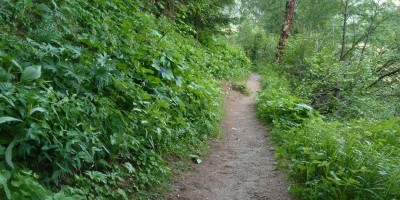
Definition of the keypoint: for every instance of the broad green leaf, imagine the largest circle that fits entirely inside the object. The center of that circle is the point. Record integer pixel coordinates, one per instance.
(137, 110)
(126, 26)
(41, 9)
(352, 181)
(155, 65)
(8, 154)
(17, 64)
(8, 100)
(122, 193)
(9, 119)
(9, 149)
(4, 176)
(179, 81)
(31, 73)
(305, 106)
(168, 74)
(334, 176)
(6, 86)
(38, 109)
(129, 167)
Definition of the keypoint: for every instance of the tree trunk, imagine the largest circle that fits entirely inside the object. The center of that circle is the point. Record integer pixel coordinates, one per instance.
(344, 29)
(197, 26)
(369, 32)
(287, 26)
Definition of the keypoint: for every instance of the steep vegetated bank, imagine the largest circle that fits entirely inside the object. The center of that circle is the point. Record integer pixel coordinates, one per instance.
(94, 95)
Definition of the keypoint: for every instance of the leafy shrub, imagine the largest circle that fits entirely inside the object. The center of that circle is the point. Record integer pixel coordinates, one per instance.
(354, 160)
(276, 105)
(256, 43)
(227, 62)
(284, 110)
(338, 89)
(94, 96)
(357, 159)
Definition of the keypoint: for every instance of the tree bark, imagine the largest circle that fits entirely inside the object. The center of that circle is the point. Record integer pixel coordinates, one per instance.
(197, 27)
(344, 29)
(287, 26)
(369, 32)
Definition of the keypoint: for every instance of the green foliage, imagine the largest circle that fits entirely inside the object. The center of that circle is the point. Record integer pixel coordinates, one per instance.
(94, 96)
(363, 82)
(354, 74)
(284, 110)
(240, 87)
(342, 60)
(336, 89)
(353, 160)
(315, 15)
(357, 159)
(21, 185)
(202, 19)
(277, 106)
(266, 14)
(256, 43)
(224, 62)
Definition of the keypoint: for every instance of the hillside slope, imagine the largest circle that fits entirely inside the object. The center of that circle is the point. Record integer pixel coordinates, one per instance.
(94, 95)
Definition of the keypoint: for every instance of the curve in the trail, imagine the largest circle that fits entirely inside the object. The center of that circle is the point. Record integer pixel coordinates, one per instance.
(241, 165)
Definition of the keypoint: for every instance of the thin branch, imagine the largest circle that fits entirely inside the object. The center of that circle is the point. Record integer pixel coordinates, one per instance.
(345, 4)
(384, 76)
(361, 38)
(369, 32)
(388, 63)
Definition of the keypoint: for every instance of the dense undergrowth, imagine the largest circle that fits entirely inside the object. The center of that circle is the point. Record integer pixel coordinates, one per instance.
(95, 95)
(328, 158)
(333, 103)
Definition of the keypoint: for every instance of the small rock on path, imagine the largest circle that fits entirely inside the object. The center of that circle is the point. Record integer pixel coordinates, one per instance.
(241, 165)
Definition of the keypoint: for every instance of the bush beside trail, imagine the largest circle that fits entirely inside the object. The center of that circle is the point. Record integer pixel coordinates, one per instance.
(94, 97)
(357, 159)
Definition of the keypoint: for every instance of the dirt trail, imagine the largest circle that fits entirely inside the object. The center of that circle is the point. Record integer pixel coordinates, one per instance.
(241, 165)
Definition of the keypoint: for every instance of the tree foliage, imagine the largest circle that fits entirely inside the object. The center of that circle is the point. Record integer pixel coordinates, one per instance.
(337, 46)
(202, 18)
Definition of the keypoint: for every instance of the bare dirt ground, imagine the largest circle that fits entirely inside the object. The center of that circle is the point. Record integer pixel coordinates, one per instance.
(241, 165)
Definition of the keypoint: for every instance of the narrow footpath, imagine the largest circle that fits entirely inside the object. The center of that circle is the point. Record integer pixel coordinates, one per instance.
(241, 165)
